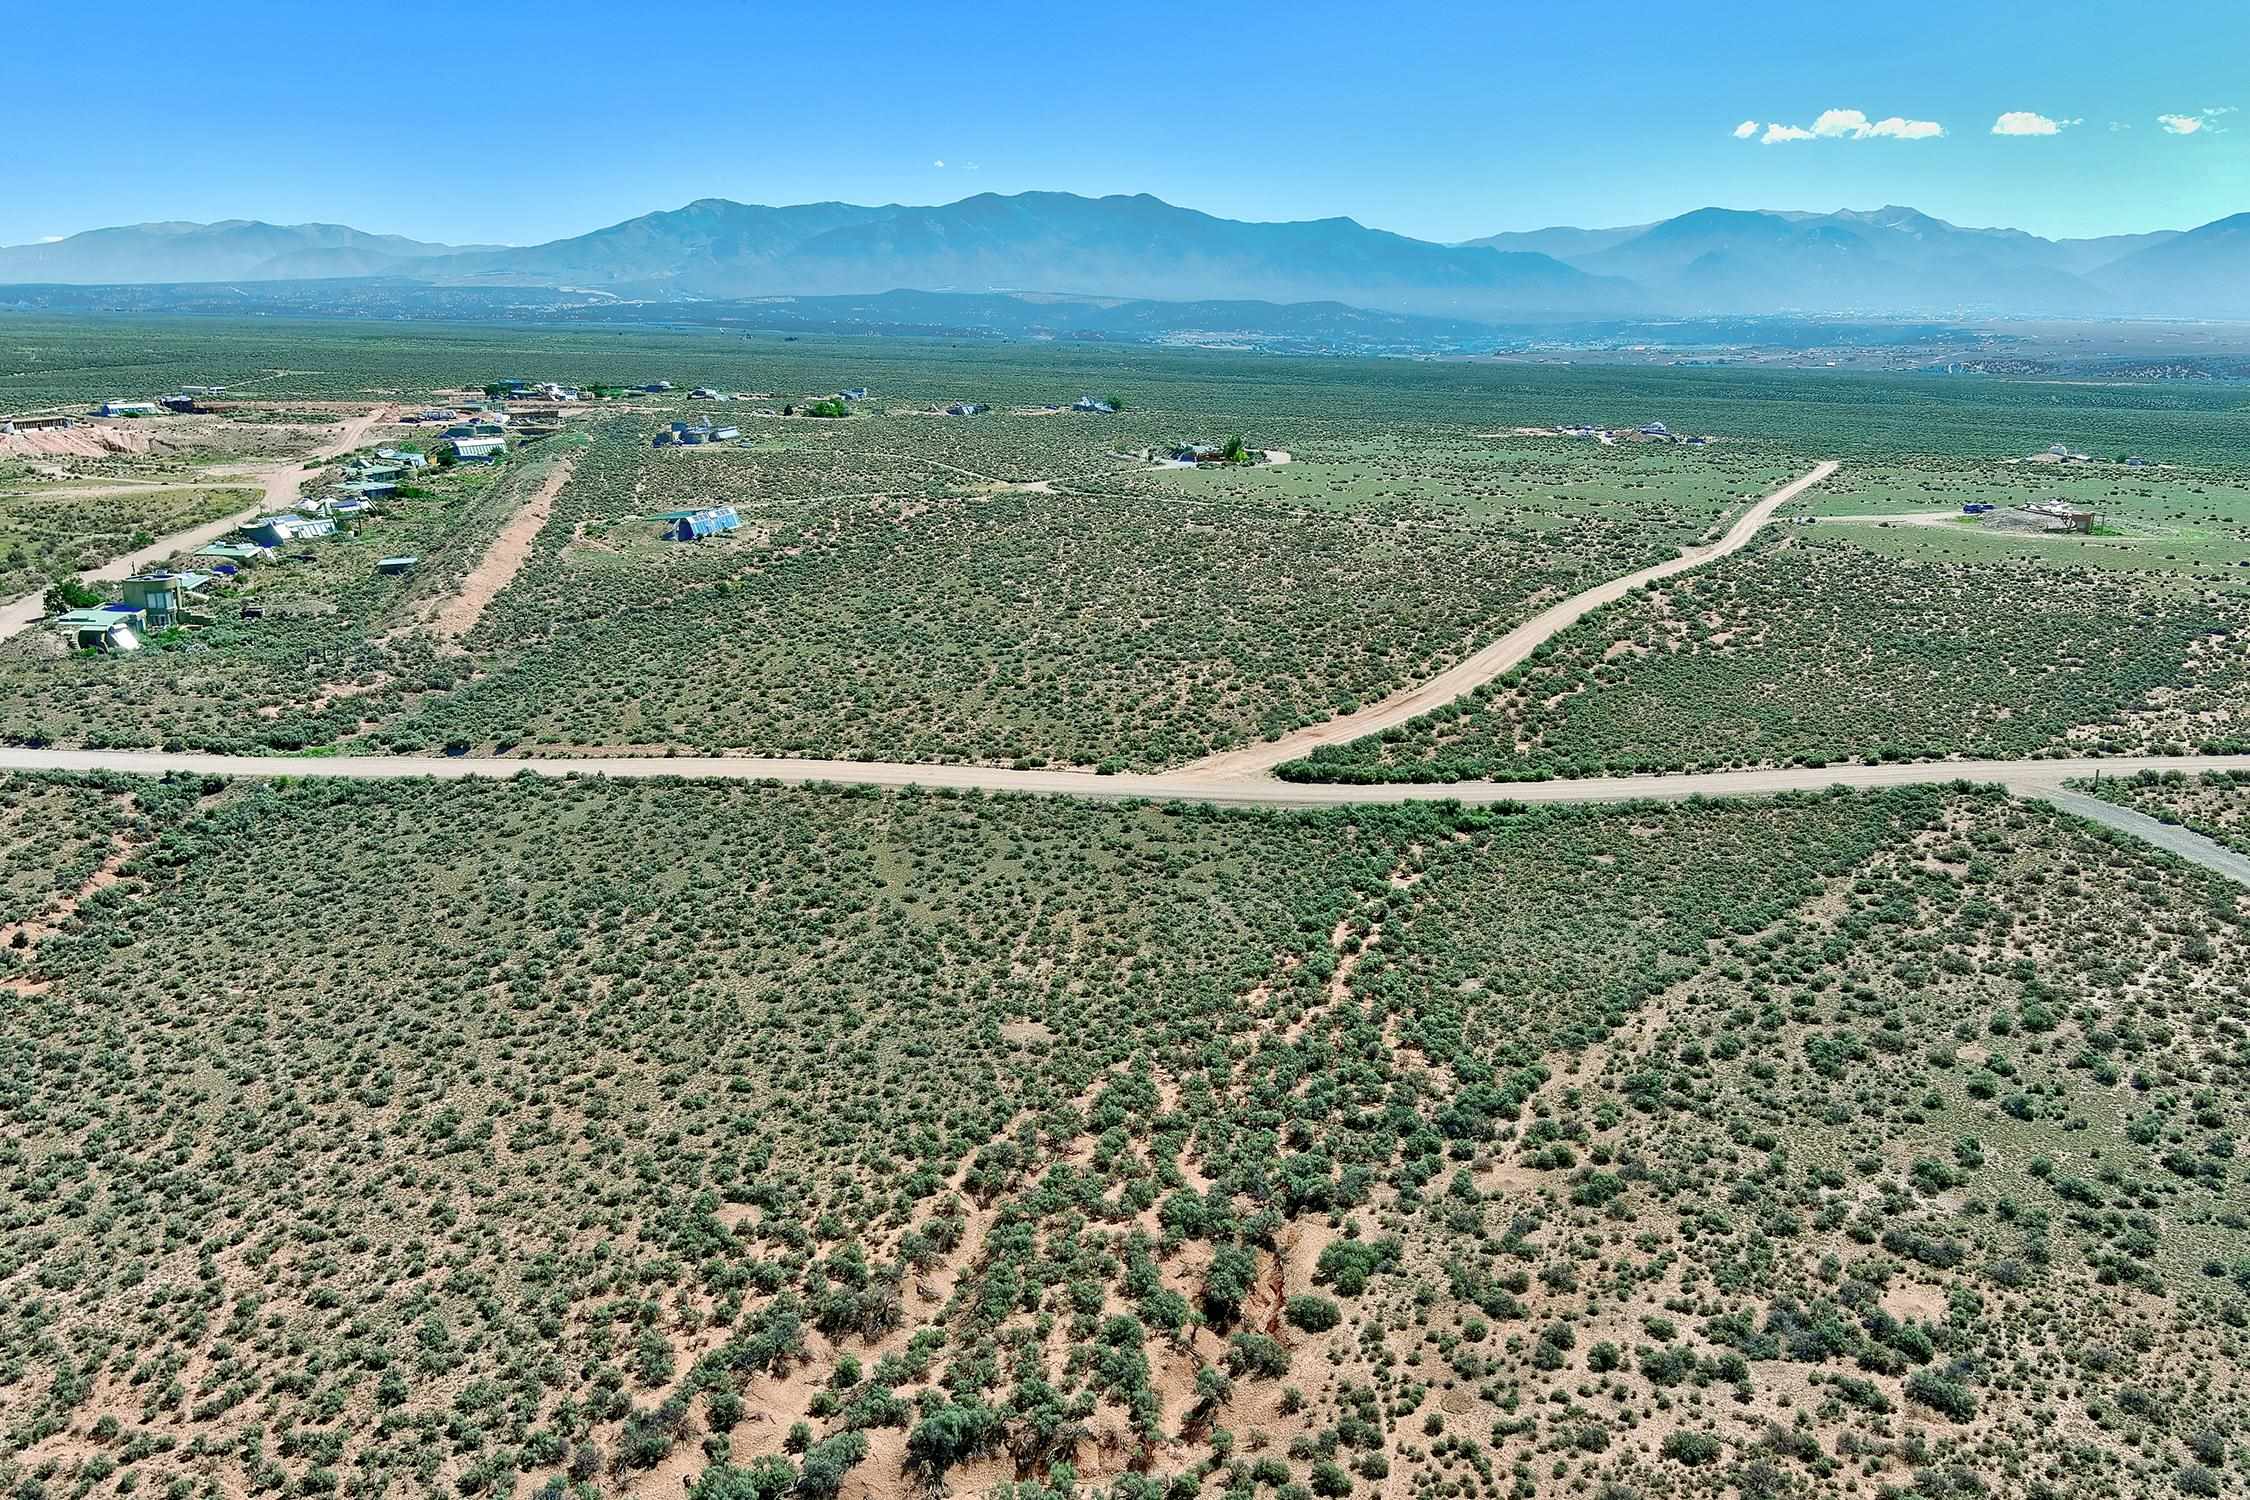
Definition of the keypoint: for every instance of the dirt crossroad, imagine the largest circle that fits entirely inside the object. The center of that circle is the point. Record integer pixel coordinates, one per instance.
(1242, 779)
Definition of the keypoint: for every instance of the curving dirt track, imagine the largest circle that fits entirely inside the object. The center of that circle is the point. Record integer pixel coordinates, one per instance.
(1473, 671)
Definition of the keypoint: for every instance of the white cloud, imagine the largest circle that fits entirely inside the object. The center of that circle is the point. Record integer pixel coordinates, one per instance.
(2030, 122)
(50, 239)
(938, 163)
(1847, 125)
(2196, 123)
(1745, 130)
(1897, 129)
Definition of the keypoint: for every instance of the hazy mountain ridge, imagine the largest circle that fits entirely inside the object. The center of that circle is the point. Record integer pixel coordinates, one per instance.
(229, 250)
(1891, 261)
(1134, 247)
(2202, 273)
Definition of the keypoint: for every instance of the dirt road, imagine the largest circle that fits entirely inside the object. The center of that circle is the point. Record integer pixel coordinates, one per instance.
(1473, 671)
(278, 483)
(458, 615)
(2029, 777)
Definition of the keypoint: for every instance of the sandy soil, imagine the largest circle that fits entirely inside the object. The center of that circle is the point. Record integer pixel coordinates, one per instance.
(87, 440)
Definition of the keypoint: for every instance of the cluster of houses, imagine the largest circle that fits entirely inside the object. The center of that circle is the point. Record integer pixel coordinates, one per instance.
(1093, 404)
(188, 398)
(691, 434)
(476, 436)
(542, 390)
(162, 599)
(967, 409)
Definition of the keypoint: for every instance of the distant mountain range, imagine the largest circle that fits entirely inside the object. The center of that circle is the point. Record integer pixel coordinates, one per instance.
(230, 250)
(1900, 261)
(1711, 262)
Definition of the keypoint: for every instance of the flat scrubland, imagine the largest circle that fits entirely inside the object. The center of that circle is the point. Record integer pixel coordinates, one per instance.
(1198, 394)
(1862, 639)
(1020, 588)
(589, 1139)
(899, 606)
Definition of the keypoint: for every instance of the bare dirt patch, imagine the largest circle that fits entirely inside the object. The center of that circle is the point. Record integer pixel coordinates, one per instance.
(509, 551)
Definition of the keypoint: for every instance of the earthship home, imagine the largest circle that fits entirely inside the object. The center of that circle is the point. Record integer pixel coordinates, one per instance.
(105, 627)
(279, 531)
(164, 598)
(478, 450)
(695, 525)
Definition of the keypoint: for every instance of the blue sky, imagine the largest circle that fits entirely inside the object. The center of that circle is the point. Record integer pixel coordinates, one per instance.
(519, 123)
